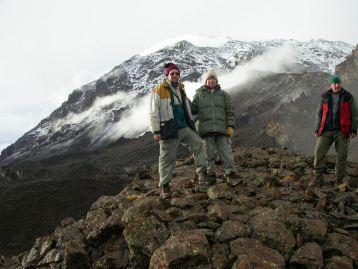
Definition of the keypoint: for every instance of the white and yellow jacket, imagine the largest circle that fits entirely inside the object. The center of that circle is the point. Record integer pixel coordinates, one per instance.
(160, 106)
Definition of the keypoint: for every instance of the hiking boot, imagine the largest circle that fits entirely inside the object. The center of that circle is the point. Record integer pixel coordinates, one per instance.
(232, 179)
(165, 192)
(342, 185)
(316, 181)
(207, 178)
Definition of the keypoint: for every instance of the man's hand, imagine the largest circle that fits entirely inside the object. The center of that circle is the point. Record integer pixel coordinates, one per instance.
(157, 137)
(230, 132)
(353, 135)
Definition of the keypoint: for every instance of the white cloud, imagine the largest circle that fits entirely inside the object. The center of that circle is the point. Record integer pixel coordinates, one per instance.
(134, 122)
(276, 60)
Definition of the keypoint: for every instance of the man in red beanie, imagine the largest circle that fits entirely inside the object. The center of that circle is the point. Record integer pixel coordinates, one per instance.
(171, 123)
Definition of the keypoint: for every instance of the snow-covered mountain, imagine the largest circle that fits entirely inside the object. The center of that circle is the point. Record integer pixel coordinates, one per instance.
(115, 105)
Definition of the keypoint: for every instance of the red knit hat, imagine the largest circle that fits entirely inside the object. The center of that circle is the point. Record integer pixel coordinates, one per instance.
(169, 67)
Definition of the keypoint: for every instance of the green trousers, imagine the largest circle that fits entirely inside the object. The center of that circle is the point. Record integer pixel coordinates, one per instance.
(323, 144)
(222, 144)
(168, 152)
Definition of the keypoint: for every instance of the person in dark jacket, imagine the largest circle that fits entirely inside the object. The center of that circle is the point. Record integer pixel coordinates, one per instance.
(336, 122)
(171, 123)
(215, 123)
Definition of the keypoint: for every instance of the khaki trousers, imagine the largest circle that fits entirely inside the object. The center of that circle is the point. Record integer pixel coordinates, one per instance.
(168, 152)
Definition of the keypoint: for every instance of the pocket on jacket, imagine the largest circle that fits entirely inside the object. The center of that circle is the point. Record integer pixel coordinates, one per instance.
(169, 129)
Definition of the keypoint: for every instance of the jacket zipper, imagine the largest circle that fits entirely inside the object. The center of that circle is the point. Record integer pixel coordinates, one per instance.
(212, 104)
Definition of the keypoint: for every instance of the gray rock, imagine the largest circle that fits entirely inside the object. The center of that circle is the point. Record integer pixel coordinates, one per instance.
(68, 233)
(341, 244)
(338, 262)
(186, 250)
(308, 256)
(251, 253)
(220, 256)
(314, 230)
(41, 247)
(75, 256)
(116, 259)
(52, 257)
(275, 234)
(231, 230)
(143, 237)
(222, 211)
(142, 208)
(221, 191)
(183, 203)
(110, 203)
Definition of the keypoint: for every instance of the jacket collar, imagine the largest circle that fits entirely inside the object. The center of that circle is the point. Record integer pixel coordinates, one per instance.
(165, 84)
(340, 92)
(217, 88)
(329, 92)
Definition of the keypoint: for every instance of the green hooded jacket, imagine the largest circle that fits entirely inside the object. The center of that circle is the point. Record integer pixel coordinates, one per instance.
(214, 110)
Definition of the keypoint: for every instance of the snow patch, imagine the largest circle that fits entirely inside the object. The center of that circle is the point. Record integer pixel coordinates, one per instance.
(197, 40)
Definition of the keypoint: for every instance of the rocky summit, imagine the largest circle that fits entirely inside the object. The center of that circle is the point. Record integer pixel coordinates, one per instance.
(266, 219)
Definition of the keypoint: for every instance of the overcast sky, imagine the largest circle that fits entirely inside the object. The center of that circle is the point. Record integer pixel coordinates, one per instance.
(49, 47)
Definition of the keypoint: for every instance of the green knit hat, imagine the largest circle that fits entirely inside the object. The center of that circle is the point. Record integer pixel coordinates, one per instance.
(334, 79)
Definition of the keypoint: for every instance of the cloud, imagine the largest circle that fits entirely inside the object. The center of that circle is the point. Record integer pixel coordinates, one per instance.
(275, 60)
(101, 117)
(133, 123)
(98, 112)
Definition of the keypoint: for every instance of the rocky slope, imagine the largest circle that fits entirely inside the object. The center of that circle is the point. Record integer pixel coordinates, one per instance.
(93, 115)
(349, 69)
(262, 222)
(36, 195)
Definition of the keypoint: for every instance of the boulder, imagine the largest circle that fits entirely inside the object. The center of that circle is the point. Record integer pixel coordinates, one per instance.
(274, 234)
(251, 253)
(221, 191)
(184, 250)
(342, 245)
(230, 230)
(308, 256)
(143, 237)
(338, 262)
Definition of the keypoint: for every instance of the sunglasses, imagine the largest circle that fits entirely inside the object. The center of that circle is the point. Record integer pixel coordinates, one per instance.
(174, 73)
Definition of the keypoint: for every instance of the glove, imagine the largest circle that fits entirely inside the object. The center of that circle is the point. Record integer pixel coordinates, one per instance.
(230, 132)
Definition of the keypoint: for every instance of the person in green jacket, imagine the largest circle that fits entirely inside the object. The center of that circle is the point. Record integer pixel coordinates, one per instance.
(215, 123)
(336, 122)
